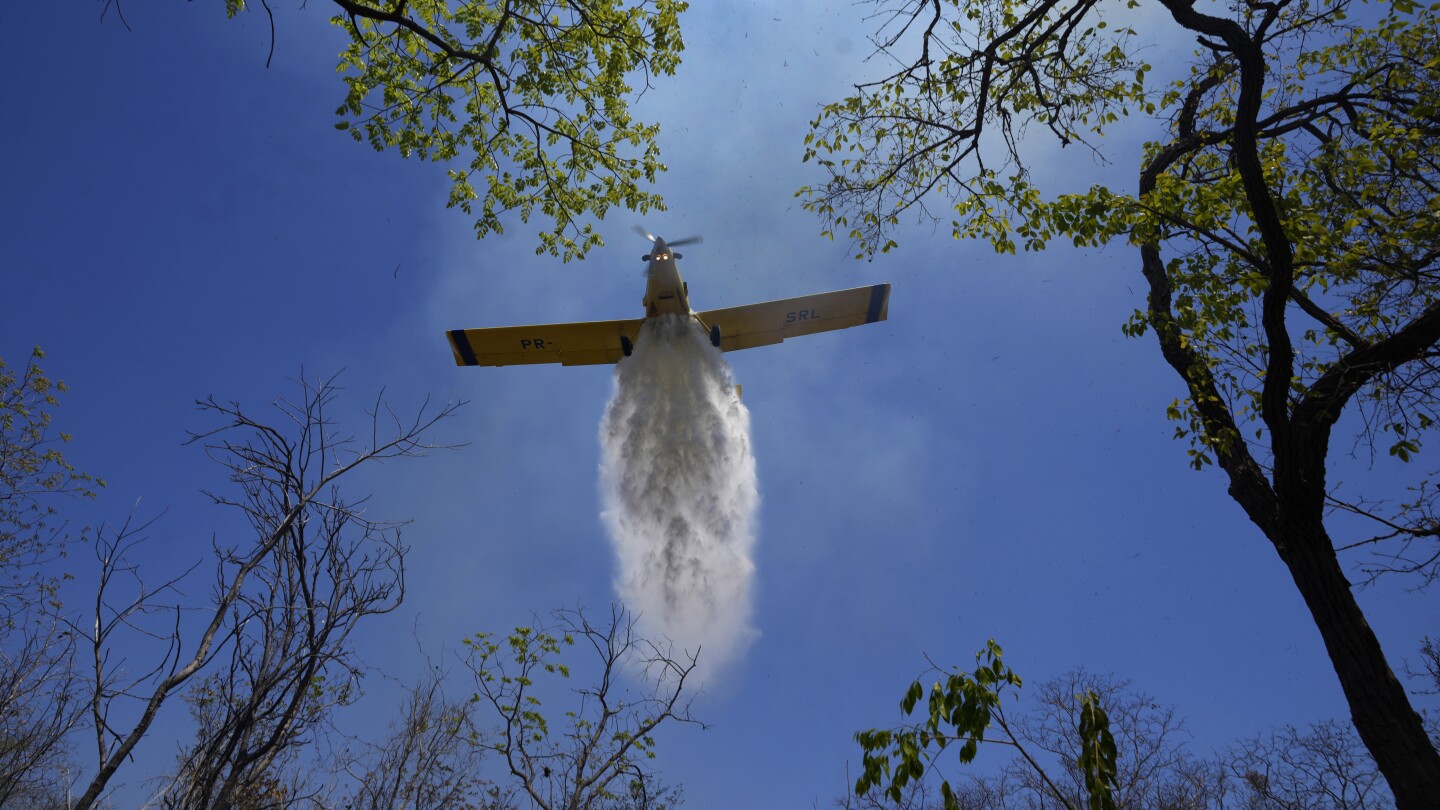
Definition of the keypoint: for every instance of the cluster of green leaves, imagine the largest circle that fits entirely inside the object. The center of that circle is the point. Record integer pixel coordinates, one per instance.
(918, 133)
(534, 93)
(528, 649)
(526, 101)
(1348, 148)
(1348, 142)
(33, 470)
(1097, 753)
(961, 710)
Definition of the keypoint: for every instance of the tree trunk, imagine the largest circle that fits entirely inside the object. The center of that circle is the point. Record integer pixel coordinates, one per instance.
(1379, 707)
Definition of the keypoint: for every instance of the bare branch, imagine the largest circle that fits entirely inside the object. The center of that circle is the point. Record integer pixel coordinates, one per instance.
(609, 735)
(284, 602)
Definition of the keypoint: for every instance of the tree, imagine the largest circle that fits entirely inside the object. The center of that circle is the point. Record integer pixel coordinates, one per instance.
(430, 757)
(1153, 764)
(39, 703)
(601, 757)
(967, 710)
(532, 95)
(39, 707)
(286, 635)
(1287, 233)
(917, 795)
(1323, 768)
(283, 604)
(33, 475)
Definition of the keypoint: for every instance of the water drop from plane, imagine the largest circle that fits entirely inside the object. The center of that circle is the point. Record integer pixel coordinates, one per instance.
(679, 492)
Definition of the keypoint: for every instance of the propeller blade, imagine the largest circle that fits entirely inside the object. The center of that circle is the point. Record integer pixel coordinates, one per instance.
(689, 240)
(643, 232)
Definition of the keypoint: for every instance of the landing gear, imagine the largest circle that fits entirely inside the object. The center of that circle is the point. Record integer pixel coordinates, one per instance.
(715, 336)
(626, 346)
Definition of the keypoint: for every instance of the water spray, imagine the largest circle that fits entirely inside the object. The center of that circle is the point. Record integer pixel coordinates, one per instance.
(679, 492)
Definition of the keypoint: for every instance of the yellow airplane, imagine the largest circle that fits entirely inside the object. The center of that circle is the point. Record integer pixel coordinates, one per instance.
(744, 327)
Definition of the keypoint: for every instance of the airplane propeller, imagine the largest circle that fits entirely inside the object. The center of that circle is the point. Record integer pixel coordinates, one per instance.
(689, 240)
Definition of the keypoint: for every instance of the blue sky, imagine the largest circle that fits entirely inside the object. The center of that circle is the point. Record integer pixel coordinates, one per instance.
(992, 461)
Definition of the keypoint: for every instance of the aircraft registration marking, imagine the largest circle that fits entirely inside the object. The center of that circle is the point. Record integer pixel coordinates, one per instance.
(801, 315)
(532, 343)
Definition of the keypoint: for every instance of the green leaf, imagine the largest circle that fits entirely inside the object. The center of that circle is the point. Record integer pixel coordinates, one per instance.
(533, 97)
(1097, 753)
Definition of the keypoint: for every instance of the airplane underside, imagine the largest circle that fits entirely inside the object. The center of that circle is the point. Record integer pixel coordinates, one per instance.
(730, 329)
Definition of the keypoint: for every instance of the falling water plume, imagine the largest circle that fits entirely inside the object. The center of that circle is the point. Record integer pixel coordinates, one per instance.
(679, 492)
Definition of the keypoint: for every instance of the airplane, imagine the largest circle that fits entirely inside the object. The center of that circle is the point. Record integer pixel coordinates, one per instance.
(731, 329)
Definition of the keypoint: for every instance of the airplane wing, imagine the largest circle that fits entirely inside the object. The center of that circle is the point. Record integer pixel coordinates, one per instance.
(773, 321)
(571, 344)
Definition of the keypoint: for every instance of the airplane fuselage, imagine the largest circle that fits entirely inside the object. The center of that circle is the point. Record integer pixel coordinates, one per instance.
(665, 292)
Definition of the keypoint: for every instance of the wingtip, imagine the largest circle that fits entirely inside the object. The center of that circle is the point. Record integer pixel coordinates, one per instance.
(879, 308)
(460, 345)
